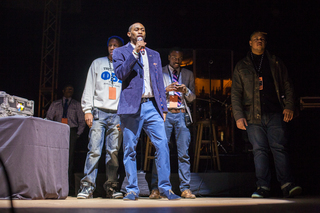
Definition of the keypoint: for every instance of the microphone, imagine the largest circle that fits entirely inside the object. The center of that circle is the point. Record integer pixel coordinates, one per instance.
(142, 48)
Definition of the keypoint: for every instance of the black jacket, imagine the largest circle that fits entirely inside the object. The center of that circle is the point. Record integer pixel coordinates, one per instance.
(245, 95)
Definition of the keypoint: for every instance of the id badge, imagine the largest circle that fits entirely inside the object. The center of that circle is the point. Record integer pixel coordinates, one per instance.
(173, 101)
(64, 120)
(260, 83)
(112, 93)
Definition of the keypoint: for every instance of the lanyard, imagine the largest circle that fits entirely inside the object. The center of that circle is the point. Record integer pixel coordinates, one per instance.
(259, 68)
(112, 72)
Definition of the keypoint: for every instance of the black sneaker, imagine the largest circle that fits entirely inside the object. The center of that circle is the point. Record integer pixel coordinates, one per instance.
(111, 191)
(291, 190)
(86, 191)
(262, 192)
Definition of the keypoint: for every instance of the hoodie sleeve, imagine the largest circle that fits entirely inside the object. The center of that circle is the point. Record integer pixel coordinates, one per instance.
(88, 92)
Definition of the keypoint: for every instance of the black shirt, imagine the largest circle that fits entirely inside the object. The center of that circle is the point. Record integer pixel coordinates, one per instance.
(268, 96)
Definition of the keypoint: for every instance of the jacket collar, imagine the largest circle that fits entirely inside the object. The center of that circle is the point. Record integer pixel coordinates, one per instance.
(129, 47)
(248, 57)
(272, 60)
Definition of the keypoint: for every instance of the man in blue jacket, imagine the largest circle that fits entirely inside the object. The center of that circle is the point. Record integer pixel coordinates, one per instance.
(142, 105)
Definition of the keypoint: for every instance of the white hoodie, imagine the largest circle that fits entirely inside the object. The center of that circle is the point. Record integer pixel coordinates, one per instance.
(96, 91)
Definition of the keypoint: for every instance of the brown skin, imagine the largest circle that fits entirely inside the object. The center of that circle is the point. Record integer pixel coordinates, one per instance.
(258, 45)
(175, 59)
(113, 44)
(68, 92)
(137, 30)
(242, 123)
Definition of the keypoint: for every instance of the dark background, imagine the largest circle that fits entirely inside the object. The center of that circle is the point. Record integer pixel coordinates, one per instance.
(293, 35)
(292, 27)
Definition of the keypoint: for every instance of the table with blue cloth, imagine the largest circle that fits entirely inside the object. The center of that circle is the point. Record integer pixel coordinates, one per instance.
(35, 154)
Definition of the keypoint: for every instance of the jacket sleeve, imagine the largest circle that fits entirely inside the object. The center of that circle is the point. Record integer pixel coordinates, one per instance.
(123, 66)
(190, 95)
(88, 92)
(166, 81)
(51, 112)
(161, 85)
(236, 95)
(81, 121)
(287, 92)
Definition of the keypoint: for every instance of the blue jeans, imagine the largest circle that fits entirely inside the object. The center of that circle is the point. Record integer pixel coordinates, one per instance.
(149, 119)
(270, 135)
(183, 138)
(103, 130)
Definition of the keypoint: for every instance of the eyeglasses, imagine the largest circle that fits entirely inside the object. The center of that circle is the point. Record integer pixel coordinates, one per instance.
(175, 58)
(259, 39)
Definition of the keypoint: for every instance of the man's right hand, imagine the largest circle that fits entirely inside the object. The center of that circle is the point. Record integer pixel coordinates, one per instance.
(88, 118)
(242, 123)
(164, 116)
(172, 87)
(139, 46)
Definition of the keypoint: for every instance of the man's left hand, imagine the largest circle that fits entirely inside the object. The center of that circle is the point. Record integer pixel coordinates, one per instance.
(118, 127)
(288, 115)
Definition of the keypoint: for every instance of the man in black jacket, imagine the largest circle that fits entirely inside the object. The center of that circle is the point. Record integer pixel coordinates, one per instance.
(263, 102)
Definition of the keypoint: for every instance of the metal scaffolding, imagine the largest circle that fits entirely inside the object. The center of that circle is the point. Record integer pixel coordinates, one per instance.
(49, 55)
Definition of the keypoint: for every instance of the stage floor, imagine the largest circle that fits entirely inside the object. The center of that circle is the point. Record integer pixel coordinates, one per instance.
(207, 204)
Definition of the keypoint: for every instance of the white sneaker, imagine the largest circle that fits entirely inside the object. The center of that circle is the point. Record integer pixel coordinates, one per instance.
(117, 195)
(86, 192)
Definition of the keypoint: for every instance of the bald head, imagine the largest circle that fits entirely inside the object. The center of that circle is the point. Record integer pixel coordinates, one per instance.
(130, 28)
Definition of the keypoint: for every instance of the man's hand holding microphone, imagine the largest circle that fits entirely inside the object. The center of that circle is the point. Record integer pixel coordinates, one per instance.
(140, 45)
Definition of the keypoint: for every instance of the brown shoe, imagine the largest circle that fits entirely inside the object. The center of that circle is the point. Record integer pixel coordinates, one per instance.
(155, 194)
(188, 194)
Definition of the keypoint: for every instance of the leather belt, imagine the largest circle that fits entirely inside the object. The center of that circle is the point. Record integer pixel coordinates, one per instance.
(108, 110)
(144, 100)
(177, 110)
